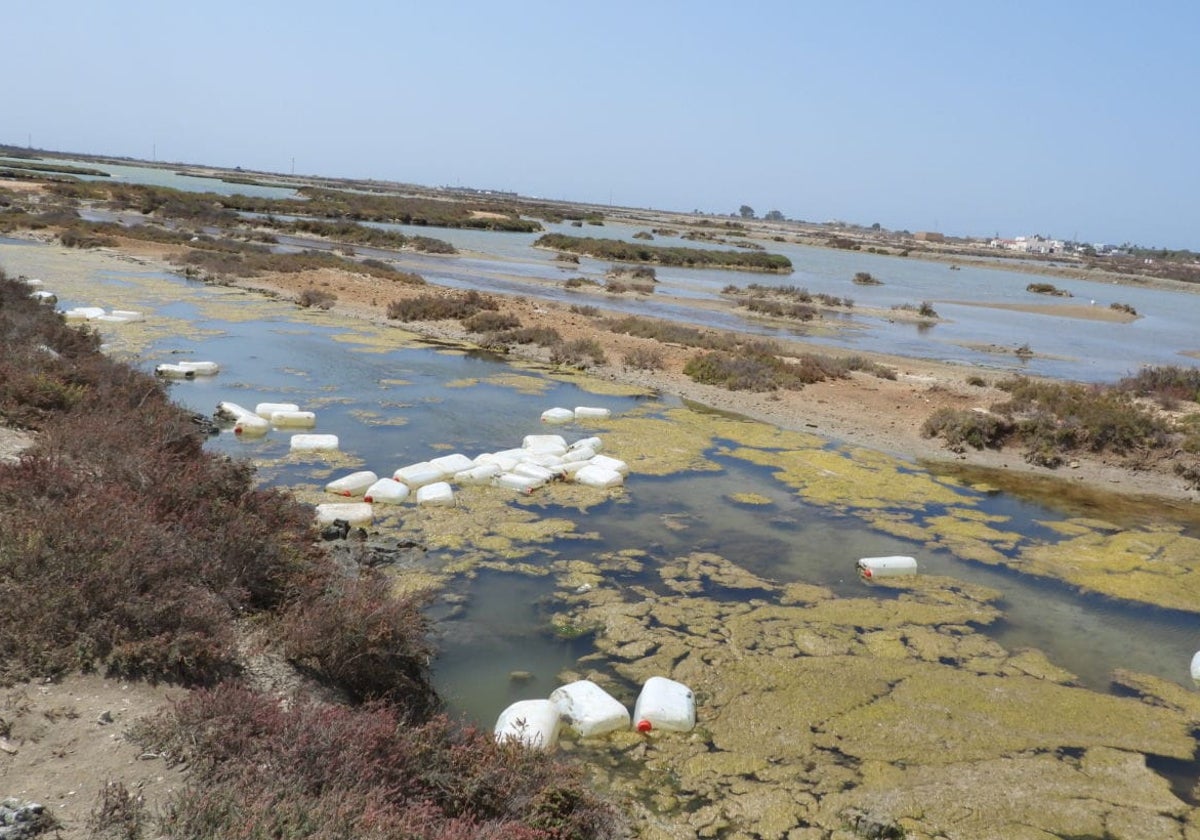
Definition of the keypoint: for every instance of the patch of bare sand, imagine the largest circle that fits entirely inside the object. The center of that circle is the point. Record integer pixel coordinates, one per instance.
(1089, 312)
(62, 742)
(16, 185)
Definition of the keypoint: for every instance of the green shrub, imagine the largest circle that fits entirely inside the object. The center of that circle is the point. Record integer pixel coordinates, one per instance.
(320, 298)
(959, 428)
(1168, 384)
(864, 278)
(1047, 289)
(758, 367)
(585, 309)
(435, 307)
(580, 353)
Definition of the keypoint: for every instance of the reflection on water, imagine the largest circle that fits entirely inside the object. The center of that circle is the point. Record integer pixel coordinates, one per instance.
(393, 401)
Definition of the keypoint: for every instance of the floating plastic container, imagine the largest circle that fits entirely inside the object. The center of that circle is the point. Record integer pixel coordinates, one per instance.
(355, 484)
(543, 459)
(418, 474)
(479, 474)
(356, 513)
(174, 371)
(584, 453)
(592, 443)
(201, 368)
(664, 704)
(1196, 667)
(505, 460)
(387, 491)
(515, 481)
(451, 464)
(537, 471)
(544, 443)
(83, 313)
(589, 709)
(438, 494)
(186, 370)
(293, 419)
(530, 723)
(615, 464)
(583, 412)
(266, 409)
(570, 469)
(232, 411)
(873, 567)
(314, 443)
(595, 475)
(558, 415)
(251, 425)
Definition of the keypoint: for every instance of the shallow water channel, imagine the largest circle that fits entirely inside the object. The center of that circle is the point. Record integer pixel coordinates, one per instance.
(700, 481)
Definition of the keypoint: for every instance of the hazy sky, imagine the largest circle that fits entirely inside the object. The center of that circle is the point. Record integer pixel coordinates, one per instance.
(1068, 119)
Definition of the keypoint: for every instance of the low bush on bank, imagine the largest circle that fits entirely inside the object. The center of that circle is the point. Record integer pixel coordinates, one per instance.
(671, 333)
(320, 298)
(490, 321)
(643, 358)
(433, 307)
(1052, 421)
(960, 428)
(579, 353)
(259, 769)
(1168, 385)
(758, 367)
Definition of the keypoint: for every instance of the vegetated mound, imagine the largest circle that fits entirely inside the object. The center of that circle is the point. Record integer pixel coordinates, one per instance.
(128, 549)
(1052, 422)
(615, 249)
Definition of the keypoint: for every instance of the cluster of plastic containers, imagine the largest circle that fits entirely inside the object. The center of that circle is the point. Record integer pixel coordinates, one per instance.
(539, 460)
(589, 711)
(98, 313)
(567, 415)
(268, 415)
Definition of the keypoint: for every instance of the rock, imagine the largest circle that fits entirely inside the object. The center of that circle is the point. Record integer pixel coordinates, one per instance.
(20, 820)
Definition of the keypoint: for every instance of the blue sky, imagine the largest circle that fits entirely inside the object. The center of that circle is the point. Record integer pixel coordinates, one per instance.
(1068, 119)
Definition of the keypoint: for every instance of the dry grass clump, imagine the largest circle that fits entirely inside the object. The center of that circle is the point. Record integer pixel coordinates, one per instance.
(643, 358)
(670, 333)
